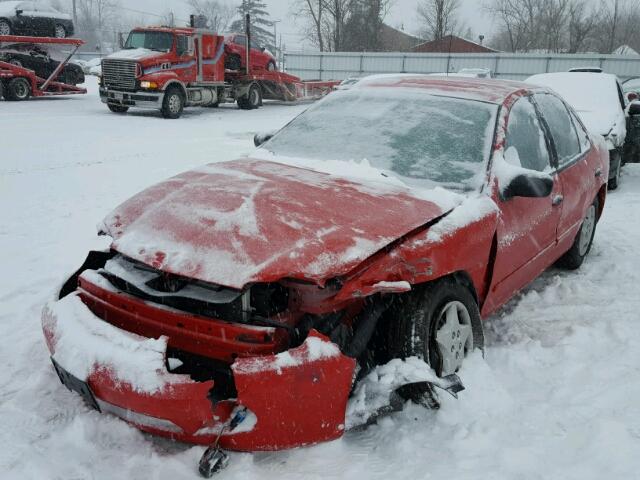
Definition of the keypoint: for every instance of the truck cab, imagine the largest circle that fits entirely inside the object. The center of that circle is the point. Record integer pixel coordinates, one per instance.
(164, 68)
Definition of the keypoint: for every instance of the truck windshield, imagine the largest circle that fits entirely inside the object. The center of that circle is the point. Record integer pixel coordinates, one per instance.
(161, 41)
(424, 140)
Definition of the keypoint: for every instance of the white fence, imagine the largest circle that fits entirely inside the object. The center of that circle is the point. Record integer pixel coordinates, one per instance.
(338, 66)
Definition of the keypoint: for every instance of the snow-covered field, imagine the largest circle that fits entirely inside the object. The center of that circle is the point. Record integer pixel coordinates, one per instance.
(556, 396)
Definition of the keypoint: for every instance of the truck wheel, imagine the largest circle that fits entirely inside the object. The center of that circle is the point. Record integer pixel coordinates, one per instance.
(252, 100)
(173, 103)
(438, 322)
(117, 108)
(18, 89)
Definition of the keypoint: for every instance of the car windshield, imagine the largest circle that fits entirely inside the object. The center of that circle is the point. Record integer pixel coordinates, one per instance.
(161, 41)
(424, 140)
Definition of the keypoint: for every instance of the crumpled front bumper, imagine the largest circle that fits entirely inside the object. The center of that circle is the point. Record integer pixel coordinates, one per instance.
(294, 398)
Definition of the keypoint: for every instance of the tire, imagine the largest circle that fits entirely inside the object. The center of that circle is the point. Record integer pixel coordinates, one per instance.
(60, 31)
(18, 89)
(252, 100)
(5, 27)
(117, 108)
(173, 103)
(15, 61)
(418, 324)
(581, 246)
(1, 89)
(271, 66)
(615, 166)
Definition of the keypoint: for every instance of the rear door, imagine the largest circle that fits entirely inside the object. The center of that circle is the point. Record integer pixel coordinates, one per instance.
(578, 164)
(527, 226)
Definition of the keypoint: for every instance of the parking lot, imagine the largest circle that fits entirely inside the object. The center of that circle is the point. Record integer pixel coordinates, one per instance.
(554, 397)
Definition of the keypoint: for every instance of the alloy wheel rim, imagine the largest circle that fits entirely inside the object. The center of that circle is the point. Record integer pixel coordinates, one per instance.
(4, 28)
(60, 32)
(174, 103)
(586, 232)
(454, 336)
(21, 90)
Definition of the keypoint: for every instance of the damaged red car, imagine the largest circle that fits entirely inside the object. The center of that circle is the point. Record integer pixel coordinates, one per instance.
(379, 226)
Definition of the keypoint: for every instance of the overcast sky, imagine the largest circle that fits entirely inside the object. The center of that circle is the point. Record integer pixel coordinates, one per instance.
(402, 13)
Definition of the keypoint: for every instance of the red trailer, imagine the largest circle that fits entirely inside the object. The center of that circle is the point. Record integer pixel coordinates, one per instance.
(169, 68)
(19, 83)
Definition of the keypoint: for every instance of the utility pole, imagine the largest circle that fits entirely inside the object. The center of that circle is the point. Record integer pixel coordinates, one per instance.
(275, 35)
(75, 15)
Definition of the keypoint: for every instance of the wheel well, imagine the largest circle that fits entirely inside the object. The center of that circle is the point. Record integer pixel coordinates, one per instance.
(177, 85)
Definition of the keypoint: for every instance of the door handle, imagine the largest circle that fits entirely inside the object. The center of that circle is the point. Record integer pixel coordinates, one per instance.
(598, 172)
(557, 200)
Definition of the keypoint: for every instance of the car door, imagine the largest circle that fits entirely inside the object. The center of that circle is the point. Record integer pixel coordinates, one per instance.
(526, 231)
(578, 164)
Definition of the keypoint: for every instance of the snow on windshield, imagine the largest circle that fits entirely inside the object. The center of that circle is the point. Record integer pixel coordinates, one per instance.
(423, 139)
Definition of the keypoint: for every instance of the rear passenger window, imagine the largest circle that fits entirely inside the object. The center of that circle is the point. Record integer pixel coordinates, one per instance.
(563, 132)
(526, 145)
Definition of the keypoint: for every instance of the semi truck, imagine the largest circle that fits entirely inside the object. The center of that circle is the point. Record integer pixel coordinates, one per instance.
(170, 68)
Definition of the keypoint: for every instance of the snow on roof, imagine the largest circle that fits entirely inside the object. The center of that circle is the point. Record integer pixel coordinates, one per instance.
(481, 89)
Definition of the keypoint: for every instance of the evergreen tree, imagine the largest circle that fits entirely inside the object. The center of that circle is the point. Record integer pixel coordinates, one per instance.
(261, 25)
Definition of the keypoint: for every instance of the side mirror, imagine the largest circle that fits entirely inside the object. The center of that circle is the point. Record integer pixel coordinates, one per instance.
(530, 186)
(263, 48)
(19, 12)
(263, 137)
(632, 96)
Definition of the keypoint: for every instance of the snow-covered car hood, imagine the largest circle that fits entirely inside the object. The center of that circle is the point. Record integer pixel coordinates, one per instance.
(135, 54)
(246, 221)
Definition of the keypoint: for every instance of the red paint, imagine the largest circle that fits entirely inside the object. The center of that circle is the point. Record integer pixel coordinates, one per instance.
(235, 45)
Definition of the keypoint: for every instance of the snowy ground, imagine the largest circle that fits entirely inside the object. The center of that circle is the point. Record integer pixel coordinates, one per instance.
(555, 397)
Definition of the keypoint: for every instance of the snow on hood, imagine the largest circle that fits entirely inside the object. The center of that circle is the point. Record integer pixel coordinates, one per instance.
(247, 221)
(134, 54)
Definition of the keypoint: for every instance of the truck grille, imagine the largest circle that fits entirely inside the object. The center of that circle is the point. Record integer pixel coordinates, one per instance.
(119, 73)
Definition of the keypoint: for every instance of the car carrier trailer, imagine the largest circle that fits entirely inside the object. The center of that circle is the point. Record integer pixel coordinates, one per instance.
(170, 68)
(19, 83)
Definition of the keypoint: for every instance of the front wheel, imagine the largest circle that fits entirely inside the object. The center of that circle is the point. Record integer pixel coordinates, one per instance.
(18, 89)
(173, 103)
(438, 322)
(117, 108)
(574, 257)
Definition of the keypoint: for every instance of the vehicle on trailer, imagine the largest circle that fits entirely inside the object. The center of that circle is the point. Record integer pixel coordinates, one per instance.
(171, 68)
(19, 82)
(236, 54)
(38, 59)
(598, 99)
(37, 19)
(375, 229)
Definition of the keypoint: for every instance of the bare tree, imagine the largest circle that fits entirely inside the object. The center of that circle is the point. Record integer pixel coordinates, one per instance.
(311, 12)
(582, 21)
(218, 14)
(438, 17)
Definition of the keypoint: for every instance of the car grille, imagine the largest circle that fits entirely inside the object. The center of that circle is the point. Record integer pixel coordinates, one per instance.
(119, 73)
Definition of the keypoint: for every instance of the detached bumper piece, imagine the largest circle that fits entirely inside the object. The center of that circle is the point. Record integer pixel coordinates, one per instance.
(289, 399)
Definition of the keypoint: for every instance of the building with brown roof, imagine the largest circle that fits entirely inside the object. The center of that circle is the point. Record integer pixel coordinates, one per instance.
(452, 44)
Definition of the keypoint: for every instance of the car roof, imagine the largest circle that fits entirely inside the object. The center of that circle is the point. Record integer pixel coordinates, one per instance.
(480, 89)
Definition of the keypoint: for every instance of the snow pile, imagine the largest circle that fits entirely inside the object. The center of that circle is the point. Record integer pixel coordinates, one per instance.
(83, 343)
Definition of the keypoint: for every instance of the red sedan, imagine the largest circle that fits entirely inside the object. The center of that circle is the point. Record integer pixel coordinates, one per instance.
(381, 224)
(236, 54)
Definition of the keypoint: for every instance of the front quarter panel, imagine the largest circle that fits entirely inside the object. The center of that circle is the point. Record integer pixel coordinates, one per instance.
(459, 242)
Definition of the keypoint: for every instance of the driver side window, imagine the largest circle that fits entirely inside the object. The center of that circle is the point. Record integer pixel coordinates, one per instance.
(526, 144)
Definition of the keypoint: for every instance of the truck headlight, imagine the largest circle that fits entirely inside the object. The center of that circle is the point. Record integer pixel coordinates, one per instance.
(148, 85)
